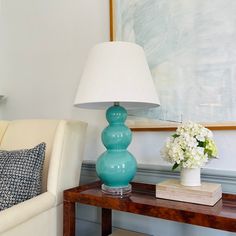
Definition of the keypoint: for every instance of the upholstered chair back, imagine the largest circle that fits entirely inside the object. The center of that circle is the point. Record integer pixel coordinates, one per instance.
(64, 146)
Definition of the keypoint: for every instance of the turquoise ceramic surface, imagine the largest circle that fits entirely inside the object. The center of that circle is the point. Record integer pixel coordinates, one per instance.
(116, 167)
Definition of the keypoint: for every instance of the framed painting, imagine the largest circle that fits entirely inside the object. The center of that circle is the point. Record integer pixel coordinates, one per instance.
(191, 51)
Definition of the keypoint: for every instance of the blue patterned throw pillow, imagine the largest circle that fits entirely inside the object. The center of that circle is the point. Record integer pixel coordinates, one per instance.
(20, 175)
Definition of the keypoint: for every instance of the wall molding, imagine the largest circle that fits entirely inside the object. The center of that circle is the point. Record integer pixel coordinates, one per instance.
(157, 173)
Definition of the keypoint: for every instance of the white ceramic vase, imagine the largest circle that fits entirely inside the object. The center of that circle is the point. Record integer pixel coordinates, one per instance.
(190, 176)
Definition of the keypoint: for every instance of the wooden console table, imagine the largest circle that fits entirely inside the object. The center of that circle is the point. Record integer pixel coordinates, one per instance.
(143, 201)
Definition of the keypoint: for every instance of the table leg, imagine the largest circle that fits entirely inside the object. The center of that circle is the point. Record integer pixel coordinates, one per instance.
(68, 218)
(106, 221)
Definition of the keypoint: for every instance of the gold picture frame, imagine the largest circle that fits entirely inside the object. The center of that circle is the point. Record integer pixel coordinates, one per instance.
(152, 125)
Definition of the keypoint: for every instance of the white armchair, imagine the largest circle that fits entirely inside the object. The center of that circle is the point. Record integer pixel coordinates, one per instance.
(42, 215)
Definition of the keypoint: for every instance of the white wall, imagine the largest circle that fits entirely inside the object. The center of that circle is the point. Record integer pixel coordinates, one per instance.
(2, 57)
(45, 46)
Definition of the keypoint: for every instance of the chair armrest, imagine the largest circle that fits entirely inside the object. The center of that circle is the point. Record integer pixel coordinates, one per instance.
(24, 211)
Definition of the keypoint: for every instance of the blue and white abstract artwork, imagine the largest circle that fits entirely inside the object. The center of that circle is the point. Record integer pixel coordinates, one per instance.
(191, 50)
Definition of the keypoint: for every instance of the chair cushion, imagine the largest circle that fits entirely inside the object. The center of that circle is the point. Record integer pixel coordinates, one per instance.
(20, 175)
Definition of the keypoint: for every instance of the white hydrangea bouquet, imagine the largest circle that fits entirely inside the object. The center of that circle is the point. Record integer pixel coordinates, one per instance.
(191, 146)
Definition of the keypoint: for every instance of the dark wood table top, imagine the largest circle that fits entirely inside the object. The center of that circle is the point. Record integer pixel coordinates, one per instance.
(142, 201)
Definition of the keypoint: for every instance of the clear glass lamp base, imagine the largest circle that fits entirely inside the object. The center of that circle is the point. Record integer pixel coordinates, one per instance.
(119, 191)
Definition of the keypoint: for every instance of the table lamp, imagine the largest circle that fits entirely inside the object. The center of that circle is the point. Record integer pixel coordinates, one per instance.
(116, 76)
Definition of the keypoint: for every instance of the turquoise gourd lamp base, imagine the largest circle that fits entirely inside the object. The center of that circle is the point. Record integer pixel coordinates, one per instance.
(116, 167)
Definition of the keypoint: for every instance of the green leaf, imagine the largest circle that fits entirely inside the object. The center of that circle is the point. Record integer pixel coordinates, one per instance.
(175, 135)
(175, 166)
(201, 144)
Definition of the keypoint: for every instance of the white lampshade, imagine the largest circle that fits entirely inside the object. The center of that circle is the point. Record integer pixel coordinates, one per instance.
(116, 72)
